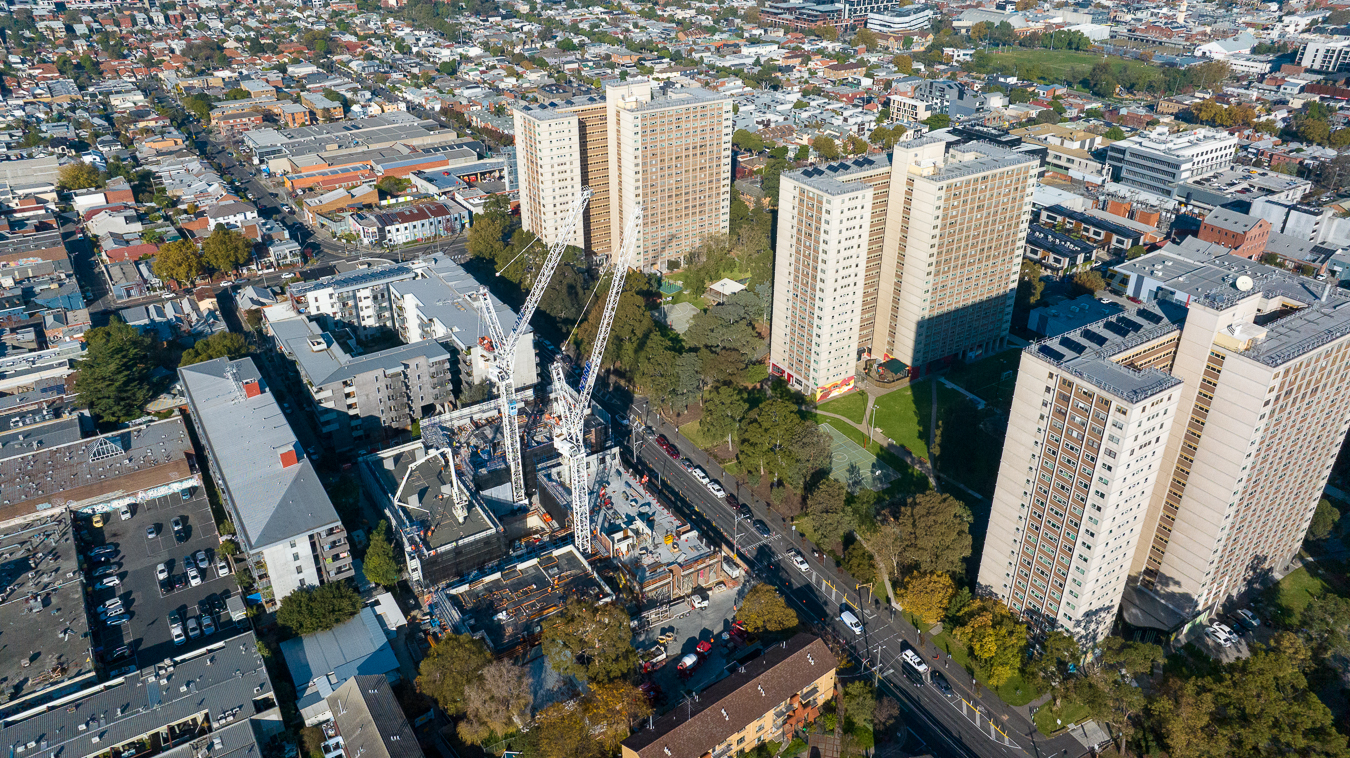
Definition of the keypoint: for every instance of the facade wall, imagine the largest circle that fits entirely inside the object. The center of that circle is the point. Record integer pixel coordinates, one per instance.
(548, 152)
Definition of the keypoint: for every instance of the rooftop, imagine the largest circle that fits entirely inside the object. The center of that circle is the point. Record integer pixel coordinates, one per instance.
(226, 681)
(42, 615)
(357, 646)
(831, 178)
(508, 606)
(93, 470)
(247, 437)
(354, 279)
(429, 484)
(1088, 352)
(323, 361)
(370, 720)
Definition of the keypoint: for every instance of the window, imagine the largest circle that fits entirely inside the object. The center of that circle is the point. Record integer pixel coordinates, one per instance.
(299, 569)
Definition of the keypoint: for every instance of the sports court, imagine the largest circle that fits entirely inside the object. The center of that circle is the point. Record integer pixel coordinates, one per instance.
(850, 463)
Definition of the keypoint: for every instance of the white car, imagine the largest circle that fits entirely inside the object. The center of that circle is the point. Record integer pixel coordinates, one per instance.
(125, 513)
(222, 567)
(799, 561)
(1216, 634)
(108, 581)
(201, 559)
(161, 572)
(194, 578)
(716, 489)
(194, 630)
(177, 631)
(700, 475)
(1225, 629)
(698, 600)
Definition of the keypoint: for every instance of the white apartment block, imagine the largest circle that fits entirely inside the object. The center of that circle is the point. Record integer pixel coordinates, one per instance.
(907, 109)
(1253, 363)
(911, 18)
(671, 155)
(944, 241)
(358, 298)
(1159, 162)
(1086, 432)
(823, 226)
(548, 152)
(1328, 57)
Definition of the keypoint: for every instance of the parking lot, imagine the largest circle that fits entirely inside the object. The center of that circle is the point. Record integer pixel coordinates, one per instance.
(684, 634)
(137, 557)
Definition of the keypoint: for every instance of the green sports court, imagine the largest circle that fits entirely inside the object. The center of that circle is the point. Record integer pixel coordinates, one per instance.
(845, 454)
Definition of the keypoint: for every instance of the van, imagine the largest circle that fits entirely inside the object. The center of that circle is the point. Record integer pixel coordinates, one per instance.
(851, 621)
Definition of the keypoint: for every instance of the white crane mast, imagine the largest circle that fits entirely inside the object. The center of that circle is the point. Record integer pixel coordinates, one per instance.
(575, 404)
(502, 355)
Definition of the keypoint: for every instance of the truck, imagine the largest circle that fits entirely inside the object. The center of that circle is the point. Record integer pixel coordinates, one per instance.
(652, 658)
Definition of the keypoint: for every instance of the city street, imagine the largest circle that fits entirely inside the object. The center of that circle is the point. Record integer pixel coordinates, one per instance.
(948, 726)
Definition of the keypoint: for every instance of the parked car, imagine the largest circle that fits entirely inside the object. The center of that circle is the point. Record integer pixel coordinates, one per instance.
(799, 561)
(119, 654)
(108, 581)
(743, 511)
(119, 620)
(698, 600)
(222, 567)
(112, 568)
(1249, 618)
(177, 525)
(176, 630)
(1218, 636)
(103, 550)
(152, 531)
(125, 513)
(942, 685)
(716, 489)
(194, 629)
(194, 578)
(161, 572)
(201, 559)
(208, 625)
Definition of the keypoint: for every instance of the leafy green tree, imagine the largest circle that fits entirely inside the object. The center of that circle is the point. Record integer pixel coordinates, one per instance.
(826, 511)
(859, 564)
(803, 153)
(1029, 284)
(826, 147)
(238, 93)
(226, 249)
(1323, 521)
(1089, 282)
(113, 378)
(776, 441)
(590, 641)
(79, 175)
(179, 262)
(1050, 668)
(747, 141)
(380, 565)
(723, 409)
(316, 609)
(931, 532)
(938, 121)
(199, 106)
(764, 610)
(230, 345)
(927, 594)
(995, 637)
(451, 666)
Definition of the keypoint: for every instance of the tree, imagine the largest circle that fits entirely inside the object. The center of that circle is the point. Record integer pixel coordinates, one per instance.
(316, 609)
(1135, 252)
(113, 378)
(764, 610)
(380, 565)
(1050, 668)
(238, 93)
(926, 594)
(1089, 282)
(230, 345)
(612, 709)
(866, 37)
(179, 262)
(904, 64)
(747, 141)
(826, 512)
(930, 533)
(485, 237)
(1029, 284)
(858, 563)
(226, 249)
(723, 409)
(858, 701)
(79, 175)
(393, 185)
(590, 641)
(498, 702)
(856, 145)
(826, 147)
(561, 731)
(886, 137)
(995, 638)
(803, 153)
(1323, 521)
(938, 121)
(777, 442)
(451, 666)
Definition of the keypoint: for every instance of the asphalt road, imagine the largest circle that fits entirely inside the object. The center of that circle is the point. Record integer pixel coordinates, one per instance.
(946, 726)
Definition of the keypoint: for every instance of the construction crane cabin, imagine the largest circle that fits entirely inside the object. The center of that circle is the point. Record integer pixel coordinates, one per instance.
(501, 346)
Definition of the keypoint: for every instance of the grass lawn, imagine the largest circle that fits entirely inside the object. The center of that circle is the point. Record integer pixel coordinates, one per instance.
(1296, 590)
(910, 481)
(903, 415)
(1056, 65)
(1016, 691)
(691, 431)
(1050, 720)
(850, 406)
(984, 378)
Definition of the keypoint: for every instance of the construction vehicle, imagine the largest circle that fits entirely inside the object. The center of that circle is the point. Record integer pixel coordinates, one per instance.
(574, 405)
(500, 347)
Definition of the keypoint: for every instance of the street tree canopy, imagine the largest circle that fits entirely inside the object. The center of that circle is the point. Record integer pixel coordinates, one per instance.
(226, 249)
(764, 610)
(179, 262)
(230, 345)
(449, 668)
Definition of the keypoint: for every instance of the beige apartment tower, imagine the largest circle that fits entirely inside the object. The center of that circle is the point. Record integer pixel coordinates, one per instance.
(942, 240)
(666, 150)
(1221, 476)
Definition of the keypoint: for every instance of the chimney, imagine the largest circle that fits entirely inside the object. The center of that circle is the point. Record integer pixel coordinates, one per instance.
(288, 456)
(252, 388)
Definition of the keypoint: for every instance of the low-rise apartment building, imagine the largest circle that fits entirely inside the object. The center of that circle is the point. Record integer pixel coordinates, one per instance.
(416, 223)
(363, 400)
(285, 524)
(766, 699)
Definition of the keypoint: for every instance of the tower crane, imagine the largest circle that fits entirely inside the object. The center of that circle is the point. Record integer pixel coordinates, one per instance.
(573, 405)
(500, 347)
